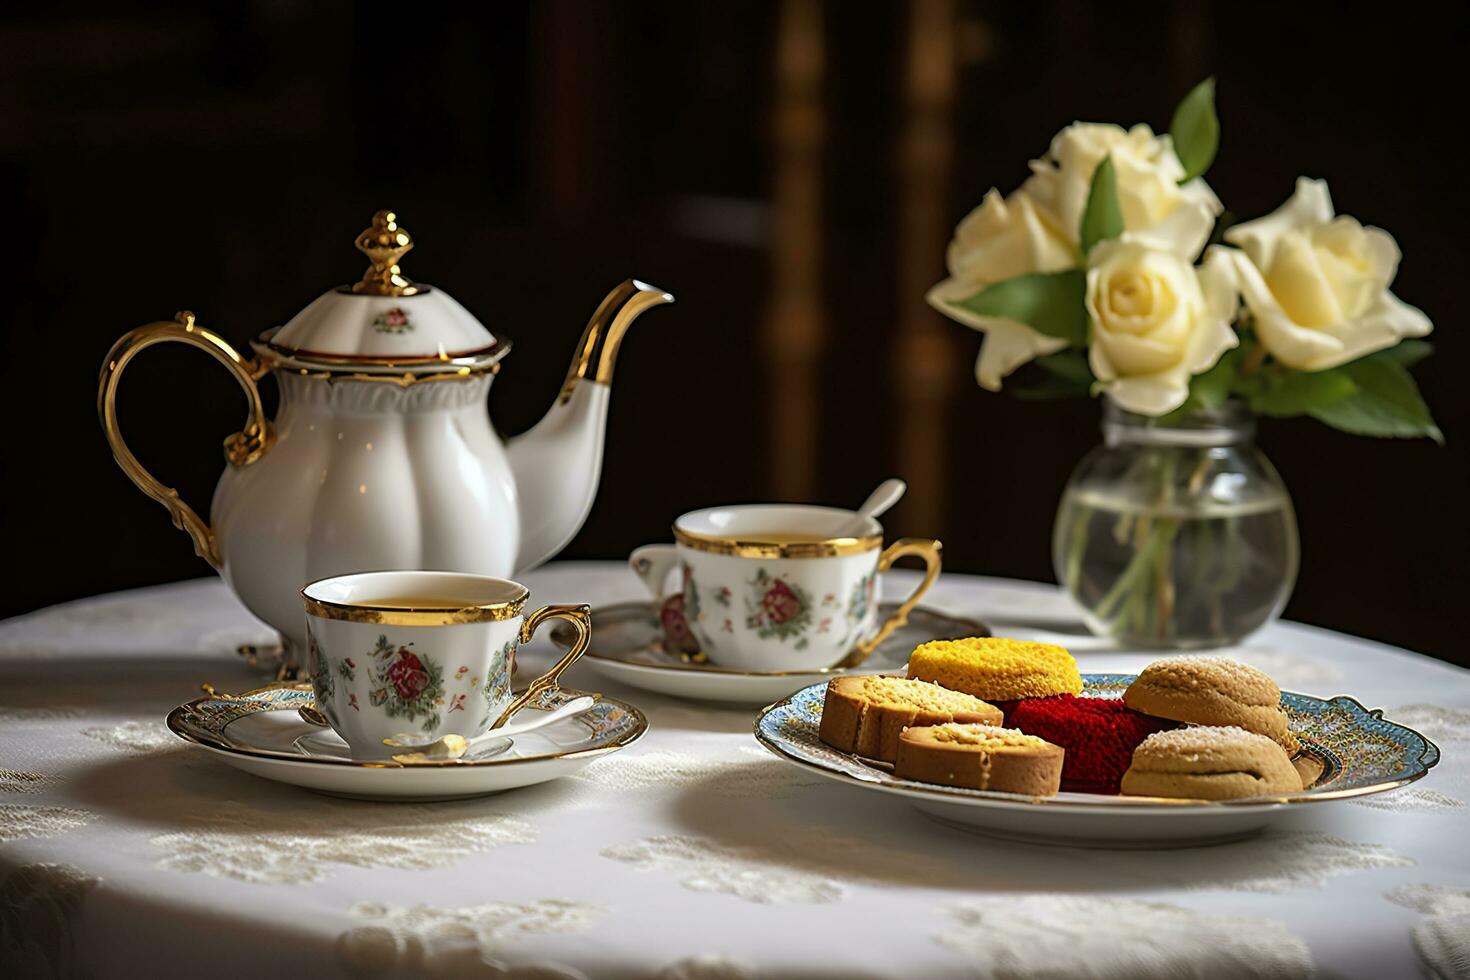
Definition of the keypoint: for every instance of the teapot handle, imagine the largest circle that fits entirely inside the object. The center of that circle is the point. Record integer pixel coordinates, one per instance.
(241, 449)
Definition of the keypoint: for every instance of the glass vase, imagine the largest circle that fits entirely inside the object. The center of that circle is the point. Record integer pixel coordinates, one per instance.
(1177, 535)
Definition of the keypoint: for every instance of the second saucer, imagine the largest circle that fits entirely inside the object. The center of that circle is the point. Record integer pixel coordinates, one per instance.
(629, 646)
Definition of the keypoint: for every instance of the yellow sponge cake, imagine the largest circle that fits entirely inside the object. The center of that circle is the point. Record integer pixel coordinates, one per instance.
(997, 669)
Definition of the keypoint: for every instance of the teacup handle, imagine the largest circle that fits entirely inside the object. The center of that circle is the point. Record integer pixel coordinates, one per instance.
(926, 548)
(652, 564)
(580, 616)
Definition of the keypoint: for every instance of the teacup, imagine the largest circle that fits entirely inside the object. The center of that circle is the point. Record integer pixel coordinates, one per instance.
(423, 653)
(781, 587)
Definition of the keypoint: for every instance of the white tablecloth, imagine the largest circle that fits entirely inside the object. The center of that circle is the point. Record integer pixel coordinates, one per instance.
(124, 852)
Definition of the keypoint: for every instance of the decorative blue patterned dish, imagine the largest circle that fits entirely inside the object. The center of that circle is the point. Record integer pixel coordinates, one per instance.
(1358, 750)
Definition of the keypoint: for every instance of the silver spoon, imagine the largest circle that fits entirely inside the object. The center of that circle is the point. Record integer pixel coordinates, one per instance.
(888, 493)
(447, 747)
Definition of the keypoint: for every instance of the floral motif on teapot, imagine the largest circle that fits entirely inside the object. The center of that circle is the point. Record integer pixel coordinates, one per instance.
(393, 320)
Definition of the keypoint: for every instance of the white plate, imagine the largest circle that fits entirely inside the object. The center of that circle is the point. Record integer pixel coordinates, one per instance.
(627, 646)
(1360, 754)
(261, 733)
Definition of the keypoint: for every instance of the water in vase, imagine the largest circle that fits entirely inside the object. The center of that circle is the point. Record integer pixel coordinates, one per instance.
(1199, 574)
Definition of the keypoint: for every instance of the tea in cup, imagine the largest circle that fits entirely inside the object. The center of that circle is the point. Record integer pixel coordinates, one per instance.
(782, 587)
(423, 654)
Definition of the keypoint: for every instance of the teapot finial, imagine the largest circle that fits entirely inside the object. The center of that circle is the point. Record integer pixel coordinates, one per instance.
(384, 244)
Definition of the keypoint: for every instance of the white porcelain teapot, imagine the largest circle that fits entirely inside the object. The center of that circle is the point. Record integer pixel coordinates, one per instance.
(382, 455)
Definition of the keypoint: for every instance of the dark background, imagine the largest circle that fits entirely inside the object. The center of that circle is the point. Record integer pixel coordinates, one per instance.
(790, 170)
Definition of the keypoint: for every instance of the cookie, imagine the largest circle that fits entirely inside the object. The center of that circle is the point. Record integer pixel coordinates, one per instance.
(864, 715)
(1212, 691)
(1210, 763)
(1098, 734)
(997, 669)
(979, 757)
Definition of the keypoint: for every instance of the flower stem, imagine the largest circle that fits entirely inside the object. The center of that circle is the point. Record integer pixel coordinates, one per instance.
(1252, 361)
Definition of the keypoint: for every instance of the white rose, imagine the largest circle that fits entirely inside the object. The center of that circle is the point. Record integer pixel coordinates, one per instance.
(1317, 285)
(1157, 320)
(1001, 239)
(1149, 193)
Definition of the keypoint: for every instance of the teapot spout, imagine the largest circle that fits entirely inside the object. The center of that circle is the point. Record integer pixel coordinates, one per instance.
(558, 462)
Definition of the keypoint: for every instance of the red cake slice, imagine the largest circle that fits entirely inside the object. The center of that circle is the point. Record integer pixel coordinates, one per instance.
(1098, 734)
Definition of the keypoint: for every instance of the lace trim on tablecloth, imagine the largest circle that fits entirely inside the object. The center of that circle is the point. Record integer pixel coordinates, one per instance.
(810, 866)
(813, 866)
(755, 775)
(307, 844)
(1272, 863)
(746, 872)
(1411, 800)
(426, 941)
(1049, 936)
(138, 737)
(16, 713)
(710, 966)
(21, 781)
(1442, 938)
(1291, 671)
(18, 821)
(1434, 722)
(38, 909)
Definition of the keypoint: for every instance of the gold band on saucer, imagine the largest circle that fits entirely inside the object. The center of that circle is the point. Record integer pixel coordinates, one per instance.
(407, 616)
(773, 547)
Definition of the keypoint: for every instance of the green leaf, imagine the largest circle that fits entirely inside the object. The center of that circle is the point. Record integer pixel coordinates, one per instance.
(1386, 403)
(1406, 352)
(1196, 130)
(1103, 218)
(1070, 365)
(1210, 389)
(1047, 302)
(1299, 392)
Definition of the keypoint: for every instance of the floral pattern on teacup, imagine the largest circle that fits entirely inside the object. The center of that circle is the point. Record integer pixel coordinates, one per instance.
(860, 601)
(777, 607)
(347, 670)
(673, 616)
(405, 684)
(691, 601)
(392, 321)
(497, 681)
(323, 684)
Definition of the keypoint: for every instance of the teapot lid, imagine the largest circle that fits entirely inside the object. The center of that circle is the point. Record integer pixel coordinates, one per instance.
(385, 322)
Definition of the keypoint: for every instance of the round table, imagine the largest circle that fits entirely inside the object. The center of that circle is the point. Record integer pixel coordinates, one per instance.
(694, 853)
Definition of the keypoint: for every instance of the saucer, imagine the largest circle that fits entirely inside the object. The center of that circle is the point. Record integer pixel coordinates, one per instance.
(627, 646)
(262, 733)
(1360, 753)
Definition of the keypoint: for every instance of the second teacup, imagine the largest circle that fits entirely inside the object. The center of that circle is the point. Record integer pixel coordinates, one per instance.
(774, 587)
(426, 653)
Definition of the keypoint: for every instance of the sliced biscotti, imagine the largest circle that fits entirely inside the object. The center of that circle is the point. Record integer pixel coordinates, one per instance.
(979, 757)
(865, 715)
(1212, 691)
(997, 669)
(1210, 763)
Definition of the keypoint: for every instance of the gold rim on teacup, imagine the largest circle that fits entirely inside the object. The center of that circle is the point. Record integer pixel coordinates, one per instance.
(367, 612)
(771, 546)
